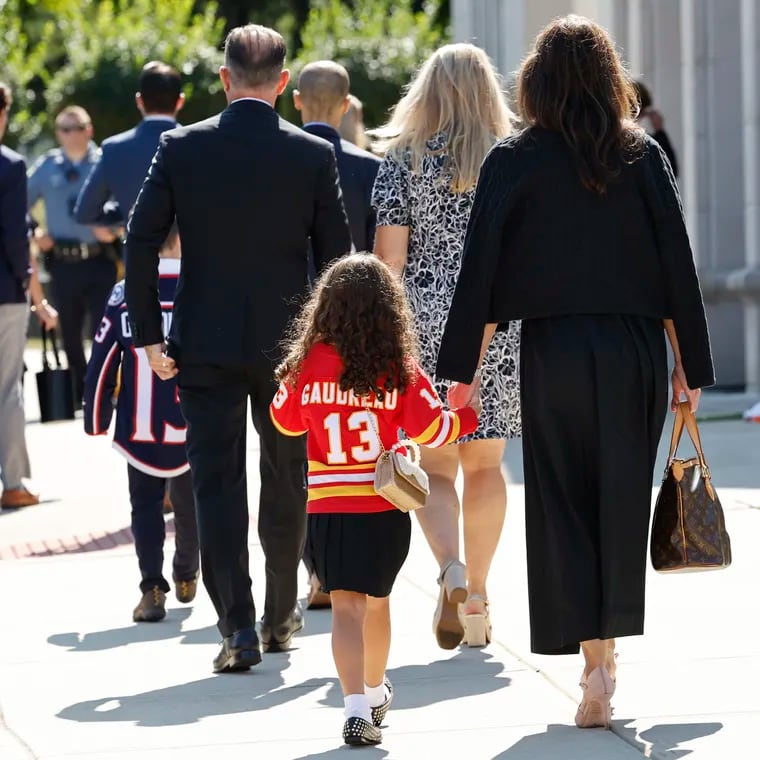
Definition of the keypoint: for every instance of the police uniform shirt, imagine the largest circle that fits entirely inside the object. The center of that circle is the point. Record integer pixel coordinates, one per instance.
(56, 180)
(150, 430)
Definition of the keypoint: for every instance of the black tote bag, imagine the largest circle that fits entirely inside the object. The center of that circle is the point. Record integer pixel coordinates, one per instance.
(54, 385)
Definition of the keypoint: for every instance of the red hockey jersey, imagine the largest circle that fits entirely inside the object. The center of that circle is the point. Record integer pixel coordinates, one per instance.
(343, 429)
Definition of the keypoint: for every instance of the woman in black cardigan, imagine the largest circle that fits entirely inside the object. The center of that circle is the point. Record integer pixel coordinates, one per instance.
(577, 229)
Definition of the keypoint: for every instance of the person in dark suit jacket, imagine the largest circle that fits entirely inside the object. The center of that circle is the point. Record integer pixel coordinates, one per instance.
(117, 178)
(249, 192)
(322, 98)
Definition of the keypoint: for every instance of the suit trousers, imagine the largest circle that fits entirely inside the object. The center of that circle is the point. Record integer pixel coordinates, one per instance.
(146, 494)
(214, 403)
(80, 289)
(14, 459)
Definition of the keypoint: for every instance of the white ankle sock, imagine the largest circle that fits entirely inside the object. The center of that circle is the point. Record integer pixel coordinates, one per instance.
(376, 694)
(357, 706)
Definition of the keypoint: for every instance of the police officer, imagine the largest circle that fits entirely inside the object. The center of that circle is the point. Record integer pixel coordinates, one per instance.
(81, 260)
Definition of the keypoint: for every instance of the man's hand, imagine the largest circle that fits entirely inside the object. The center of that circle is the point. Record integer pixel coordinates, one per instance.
(164, 366)
(104, 234)
(44, 242)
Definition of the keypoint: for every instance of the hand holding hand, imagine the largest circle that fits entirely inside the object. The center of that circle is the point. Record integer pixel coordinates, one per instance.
(681, 387)
(459, 394)
(475, 401)
(164, 366)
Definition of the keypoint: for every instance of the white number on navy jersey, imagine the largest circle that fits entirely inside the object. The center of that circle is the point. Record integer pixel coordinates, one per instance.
(105, 326)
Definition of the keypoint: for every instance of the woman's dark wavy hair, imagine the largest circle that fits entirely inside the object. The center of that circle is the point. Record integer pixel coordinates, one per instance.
(359, 307)
(573, 82)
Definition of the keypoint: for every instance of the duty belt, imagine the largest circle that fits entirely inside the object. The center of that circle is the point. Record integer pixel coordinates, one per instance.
(76, 251)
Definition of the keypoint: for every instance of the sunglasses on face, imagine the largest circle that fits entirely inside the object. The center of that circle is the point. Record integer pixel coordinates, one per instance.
(68, 128)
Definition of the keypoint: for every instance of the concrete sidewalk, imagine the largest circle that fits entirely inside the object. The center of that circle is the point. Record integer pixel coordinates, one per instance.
(79, 680)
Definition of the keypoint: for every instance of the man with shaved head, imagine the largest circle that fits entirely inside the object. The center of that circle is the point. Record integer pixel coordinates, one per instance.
(250, 192)
(322, 98)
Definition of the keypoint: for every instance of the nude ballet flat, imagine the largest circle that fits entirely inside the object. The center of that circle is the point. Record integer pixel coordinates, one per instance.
(477, 625)
(595, 710)
(447, 626)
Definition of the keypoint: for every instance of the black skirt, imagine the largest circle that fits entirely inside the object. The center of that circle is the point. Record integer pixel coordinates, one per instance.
(594, 395)
(359, 552)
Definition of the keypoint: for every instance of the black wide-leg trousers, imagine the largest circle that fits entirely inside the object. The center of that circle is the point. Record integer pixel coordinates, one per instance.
(214, 402)
(594, 395)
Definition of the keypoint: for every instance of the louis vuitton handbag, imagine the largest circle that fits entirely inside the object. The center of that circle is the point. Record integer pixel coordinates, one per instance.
(689, 528)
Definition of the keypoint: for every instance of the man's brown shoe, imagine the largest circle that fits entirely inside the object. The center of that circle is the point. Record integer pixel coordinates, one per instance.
(13, 498)
(152, 607)
(316, 598)
(186, 590)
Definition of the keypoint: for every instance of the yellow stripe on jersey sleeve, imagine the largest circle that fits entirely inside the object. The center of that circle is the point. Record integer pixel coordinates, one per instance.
(430, 432)
(315, 494)
(284, 430)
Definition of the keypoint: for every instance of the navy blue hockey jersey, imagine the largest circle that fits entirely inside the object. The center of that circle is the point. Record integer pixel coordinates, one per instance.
(150, 430)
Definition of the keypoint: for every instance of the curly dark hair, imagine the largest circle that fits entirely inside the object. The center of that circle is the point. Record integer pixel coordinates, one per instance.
(574, 83)
(359, 307)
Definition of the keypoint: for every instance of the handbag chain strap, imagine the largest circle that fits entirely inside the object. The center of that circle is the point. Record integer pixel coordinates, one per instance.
(685, 417)
(54, 344)
(412, 445)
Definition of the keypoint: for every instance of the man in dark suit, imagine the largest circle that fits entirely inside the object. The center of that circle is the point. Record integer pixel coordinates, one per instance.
(249, 191)
(118, 176)
(15, 274)
(322, 98)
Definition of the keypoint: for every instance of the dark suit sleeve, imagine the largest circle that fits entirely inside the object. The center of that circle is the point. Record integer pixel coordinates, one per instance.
(330, 233)
(460, 349)
(684, 297)
(13, 221)
(93, 196)
(662, 137)
(150, 224)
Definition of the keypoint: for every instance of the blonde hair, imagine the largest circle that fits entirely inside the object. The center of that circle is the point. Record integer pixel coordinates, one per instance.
(456, 91)
(352, 123)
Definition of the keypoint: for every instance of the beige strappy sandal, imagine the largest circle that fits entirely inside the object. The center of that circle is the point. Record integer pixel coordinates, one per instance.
(477, 625)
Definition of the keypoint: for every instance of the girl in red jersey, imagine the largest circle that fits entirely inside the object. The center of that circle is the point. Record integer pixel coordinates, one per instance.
(351, 379)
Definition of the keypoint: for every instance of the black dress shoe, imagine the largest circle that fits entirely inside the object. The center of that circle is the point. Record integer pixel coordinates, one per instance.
(357, 731)
(239, 652)
(278, 638)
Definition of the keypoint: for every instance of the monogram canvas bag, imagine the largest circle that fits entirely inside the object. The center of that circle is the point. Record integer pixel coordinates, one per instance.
(689, 528)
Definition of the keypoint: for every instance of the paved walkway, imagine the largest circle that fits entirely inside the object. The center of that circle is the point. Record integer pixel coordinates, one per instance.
(80, 681)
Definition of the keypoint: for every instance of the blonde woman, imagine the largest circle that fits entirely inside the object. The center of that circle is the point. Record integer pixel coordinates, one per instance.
(437, 137)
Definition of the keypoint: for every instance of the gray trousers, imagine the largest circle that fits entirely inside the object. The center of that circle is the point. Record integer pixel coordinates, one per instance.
(14, 460)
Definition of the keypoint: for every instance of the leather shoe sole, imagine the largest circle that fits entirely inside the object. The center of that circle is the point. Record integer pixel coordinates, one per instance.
(237, 660)
(274, 644)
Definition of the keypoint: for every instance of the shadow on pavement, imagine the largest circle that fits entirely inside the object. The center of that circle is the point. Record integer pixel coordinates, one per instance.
(665, 738)
(367, 753)
(169, 628)
(570, 743)
(317, 622)
(249, 691)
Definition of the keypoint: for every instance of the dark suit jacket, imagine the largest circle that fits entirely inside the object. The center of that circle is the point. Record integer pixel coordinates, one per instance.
(248, 190)
(14, 240)
(357, 170)
(539, 244)
(120, 173)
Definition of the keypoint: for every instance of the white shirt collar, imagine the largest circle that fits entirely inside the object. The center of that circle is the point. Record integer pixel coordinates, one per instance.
(169, 266)
(258, 100)
(159, 117)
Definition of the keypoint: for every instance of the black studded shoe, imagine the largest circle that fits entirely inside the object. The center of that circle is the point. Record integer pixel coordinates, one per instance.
(357, 731)
(379, 712)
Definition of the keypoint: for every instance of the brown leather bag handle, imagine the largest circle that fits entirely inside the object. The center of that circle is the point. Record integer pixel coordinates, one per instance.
(685, 417)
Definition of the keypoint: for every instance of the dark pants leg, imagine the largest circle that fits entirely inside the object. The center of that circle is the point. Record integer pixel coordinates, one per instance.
(214, 403)
(282, 503)
(68, 295)
(185, 526)
(101, 276)
(146, 493)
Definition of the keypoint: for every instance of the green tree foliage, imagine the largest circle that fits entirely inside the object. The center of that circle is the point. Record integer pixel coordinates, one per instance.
(109, 41)
(380, 42)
